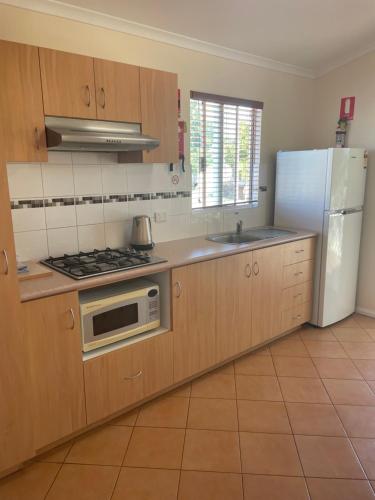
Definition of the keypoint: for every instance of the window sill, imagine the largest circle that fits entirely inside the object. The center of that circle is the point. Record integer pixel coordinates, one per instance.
(227, 208)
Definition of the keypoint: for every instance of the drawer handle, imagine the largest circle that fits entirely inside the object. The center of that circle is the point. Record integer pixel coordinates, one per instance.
(6, 268)
(247, 270)
(298, 295)
(297, 317)
(73, 325)
(178, 287)
(256, 268)
(88, 96)
(300, 251)
(132, 377)
(102, 92)
(297, 274)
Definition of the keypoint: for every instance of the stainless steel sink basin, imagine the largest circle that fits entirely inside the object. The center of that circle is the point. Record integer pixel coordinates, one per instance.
(249, 235)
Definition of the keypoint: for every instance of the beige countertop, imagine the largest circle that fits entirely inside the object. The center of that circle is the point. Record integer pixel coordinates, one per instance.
(177, 252)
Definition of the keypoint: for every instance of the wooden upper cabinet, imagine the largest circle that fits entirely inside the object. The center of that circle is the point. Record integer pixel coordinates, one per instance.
(117, 91)
(53, 334)
(68, 84)
(267, 271)
(16, 438)
(159, 114)
(233, 305)
(22, 136)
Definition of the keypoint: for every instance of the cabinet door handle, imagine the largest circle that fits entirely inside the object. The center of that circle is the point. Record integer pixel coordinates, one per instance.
(256, 268)
(102, 92)
(300, 251)
(297, 274)
(298, 295)
(132, 377)
(247, 270)
(36, 138)
(6, 260)
(88, 96)
(297, 317)
(73, 325)
(178, 289)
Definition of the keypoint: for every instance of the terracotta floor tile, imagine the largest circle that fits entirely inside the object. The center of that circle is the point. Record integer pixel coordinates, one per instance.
(351, 335)
(314, 419)
(364, 321)
(254, 364)
(352, 392)
(228, 369)
(294, 367)
(57, 455)
(84, 482)
(339, 489)
(303, 390)
(288, 347)
(263, 416)
(359, 421)
(183, 391)
(214, 385)
(30, 483)
(147, 484)
(164, 412)
(105, 446)
(349, 322)
(258, 388)
(213, 414)
(156, 448)
(322, 334)
(366, 367)
(371, 332)
(127, 419)
(210, 486)
(331, 457)
(274, 488)
(319, 349)
(337, 368)
(365, 449)
(216, 451)
(274, 454)
(360, 350)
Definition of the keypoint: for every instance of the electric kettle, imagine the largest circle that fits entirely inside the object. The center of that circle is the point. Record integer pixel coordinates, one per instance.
(141, 238)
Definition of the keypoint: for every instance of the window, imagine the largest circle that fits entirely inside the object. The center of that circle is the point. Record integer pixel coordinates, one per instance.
(224, 150)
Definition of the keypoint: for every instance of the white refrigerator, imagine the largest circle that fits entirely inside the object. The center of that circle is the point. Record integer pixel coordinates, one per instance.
(323, 191)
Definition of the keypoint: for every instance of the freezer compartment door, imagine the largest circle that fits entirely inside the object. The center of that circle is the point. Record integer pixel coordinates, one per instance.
(346, 179)
(339, 269)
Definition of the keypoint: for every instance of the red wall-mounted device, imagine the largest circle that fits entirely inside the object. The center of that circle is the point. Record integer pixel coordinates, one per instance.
(347, 108)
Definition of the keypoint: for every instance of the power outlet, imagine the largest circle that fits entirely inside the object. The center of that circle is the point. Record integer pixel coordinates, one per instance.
(160, 216)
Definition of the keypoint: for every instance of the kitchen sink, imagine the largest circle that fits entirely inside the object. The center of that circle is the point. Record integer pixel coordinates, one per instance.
(249, 235)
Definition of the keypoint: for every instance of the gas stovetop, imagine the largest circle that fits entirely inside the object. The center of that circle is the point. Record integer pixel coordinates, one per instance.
(87, 264)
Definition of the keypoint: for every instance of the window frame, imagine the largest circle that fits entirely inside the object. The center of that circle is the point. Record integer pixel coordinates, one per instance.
(238, 102)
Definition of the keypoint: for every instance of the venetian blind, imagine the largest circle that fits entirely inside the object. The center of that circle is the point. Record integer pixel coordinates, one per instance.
(224, 150)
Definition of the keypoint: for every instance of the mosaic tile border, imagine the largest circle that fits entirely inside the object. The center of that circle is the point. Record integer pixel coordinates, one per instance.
(95, 199)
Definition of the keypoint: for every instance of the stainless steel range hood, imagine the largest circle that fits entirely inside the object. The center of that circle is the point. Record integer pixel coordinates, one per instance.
(72, 134)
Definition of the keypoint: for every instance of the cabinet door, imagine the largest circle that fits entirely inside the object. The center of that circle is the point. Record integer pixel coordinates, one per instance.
(68, 84)
(267, 293)
(194, 320)
(159, 114)
(22, 136)
(16, 439)
(117, 91)
(158, 363)
(233, 305)
(54, 346)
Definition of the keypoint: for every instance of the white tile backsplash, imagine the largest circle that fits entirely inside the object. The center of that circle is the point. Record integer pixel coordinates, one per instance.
(60, 227)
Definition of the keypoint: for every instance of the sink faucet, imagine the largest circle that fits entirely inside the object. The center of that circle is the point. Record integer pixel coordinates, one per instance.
(239, 227)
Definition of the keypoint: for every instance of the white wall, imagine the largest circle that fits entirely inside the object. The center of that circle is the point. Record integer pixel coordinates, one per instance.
(354, 79)
(287, 98)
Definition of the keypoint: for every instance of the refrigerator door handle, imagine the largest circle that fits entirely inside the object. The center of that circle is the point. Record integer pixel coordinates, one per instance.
(347, 211)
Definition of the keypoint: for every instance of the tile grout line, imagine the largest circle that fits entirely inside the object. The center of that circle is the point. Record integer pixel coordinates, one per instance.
(123, 458)
(238, 431)
(183, 446)
(53, 482)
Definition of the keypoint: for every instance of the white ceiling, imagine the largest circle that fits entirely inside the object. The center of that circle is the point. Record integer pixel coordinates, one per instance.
(313, 35)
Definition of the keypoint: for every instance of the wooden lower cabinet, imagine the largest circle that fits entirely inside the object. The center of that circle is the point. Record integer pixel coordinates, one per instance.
(194, 318)
(125, 376)
(54, 346)
(266, 293)
(233, 305)
(16, 433)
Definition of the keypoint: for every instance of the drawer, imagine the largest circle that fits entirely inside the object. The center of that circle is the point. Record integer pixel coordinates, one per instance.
(295, 316)
(296, 295)
(298, 251)
(124, 376)
(297, 273)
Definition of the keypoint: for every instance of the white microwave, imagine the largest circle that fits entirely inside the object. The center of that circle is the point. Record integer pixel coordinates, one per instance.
(118, 311)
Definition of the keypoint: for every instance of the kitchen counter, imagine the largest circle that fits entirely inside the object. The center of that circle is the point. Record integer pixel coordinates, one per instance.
(178, 252)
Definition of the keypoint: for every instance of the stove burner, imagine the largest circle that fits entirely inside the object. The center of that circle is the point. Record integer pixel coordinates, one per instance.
(86, 264)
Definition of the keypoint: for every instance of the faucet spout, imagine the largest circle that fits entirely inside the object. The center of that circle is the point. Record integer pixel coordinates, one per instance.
(239, 227)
